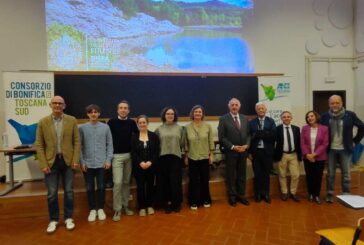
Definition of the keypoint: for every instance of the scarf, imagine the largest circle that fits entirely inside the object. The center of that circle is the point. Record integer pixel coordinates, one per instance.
(335, 119)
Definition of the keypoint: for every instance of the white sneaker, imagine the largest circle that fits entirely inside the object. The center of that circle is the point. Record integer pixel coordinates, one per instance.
(206, 204)
(150, 210)
(193, 207)
(92, 216)
(128, 211)
(142, 212)
(69, 224)
(101, 214)
(52, 227)
(116, 216)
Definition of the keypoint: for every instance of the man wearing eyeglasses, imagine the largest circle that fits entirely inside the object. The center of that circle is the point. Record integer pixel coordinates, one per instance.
(58, 151)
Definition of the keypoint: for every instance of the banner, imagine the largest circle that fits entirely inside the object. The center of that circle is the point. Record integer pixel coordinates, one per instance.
(26, 100)
(275, 93)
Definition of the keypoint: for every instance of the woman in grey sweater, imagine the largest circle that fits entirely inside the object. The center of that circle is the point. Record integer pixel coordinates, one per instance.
(172, 138)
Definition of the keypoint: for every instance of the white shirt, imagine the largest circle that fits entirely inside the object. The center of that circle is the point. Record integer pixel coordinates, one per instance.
(313, 135)
(285, 139)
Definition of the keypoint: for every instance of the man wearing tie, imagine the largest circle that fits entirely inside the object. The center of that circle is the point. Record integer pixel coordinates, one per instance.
(263, 134)
(233, 131)
(288, 155)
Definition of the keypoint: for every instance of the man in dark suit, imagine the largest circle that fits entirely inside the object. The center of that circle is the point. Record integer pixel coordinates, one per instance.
(288, 155)
(263, 134)
(233, 131)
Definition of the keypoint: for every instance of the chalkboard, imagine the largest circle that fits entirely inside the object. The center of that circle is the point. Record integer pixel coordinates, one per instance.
(149, 94)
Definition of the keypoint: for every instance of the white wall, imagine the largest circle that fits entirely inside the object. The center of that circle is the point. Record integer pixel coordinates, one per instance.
(359, 72)
(278, 35)
(359, 38)
(22, 43)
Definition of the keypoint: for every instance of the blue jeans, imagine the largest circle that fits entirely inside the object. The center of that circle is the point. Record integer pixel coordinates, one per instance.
(342, 158)
(59, 169)
(96, 199)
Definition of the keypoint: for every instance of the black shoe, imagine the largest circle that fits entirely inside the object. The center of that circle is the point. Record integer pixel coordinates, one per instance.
(232, 202)
(317, 200)
(177, 209)
(295, 198)
(267, 198)
(244, 201)
(273, 172)
(168, 209)
(258, 198)
(109, 185)
(284, 196)
(329, 198)
(310, 198)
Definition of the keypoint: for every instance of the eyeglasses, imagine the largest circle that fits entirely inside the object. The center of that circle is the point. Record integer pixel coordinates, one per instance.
(92, 112)
(57, 103)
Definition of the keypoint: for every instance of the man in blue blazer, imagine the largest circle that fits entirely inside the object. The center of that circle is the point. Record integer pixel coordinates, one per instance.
(233, 131)
(341, 123)
(263, 135)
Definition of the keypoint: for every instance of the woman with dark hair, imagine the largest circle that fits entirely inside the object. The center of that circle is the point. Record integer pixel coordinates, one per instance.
(172, 138)
(198, 157)
(144, 155)
(314, 143)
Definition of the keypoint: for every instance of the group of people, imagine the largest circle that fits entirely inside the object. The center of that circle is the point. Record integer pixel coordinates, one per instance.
(156, 158)
(326, 139)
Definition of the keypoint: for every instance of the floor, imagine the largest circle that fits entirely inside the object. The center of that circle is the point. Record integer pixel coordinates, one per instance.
(23, 220)
(260, 223)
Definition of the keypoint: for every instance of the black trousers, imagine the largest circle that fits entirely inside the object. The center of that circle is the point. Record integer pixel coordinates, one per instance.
(145, 182)
(199, 175)
(96, 199)
(171, 180)
(262, 164)
(314, 171)
(235, 175)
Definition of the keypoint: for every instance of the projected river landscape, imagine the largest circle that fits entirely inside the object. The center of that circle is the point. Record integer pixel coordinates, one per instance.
(149, 36)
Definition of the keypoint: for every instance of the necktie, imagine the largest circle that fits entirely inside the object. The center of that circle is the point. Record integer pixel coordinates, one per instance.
(237, 124)
(289, 140)
(261, 124)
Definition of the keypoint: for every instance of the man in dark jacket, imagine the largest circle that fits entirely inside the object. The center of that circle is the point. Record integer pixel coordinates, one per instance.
(341, 123)
(288, 155)
(263, 134)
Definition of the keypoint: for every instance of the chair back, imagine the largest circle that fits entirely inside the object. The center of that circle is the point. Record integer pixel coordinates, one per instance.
(361, 225)
(359, 231)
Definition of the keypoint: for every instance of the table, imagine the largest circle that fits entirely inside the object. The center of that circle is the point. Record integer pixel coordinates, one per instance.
(12, 152)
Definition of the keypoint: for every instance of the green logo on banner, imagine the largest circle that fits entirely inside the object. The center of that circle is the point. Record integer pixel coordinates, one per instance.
(269, 92)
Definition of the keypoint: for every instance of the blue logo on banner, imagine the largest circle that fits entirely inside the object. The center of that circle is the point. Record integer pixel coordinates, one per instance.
(283, 88)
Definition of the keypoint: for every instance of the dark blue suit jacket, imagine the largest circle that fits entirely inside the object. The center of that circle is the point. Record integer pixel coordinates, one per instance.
(268, 135)
(349, 121)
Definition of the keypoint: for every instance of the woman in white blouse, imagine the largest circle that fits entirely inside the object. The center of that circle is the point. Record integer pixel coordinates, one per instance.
(314, 143)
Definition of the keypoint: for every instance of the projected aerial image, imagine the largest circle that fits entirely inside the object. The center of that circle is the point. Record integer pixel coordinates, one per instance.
(198, 36)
